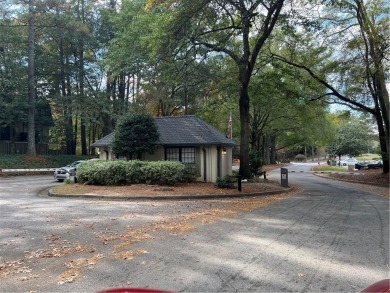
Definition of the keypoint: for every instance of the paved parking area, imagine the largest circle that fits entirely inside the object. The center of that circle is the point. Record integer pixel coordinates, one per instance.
(329, 237)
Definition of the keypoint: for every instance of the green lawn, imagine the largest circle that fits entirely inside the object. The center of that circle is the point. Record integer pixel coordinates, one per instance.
(368, 157)
(330, 168)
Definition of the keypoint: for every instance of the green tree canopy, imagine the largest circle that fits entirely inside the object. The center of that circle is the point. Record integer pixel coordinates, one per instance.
(352, 138)
(136, 133)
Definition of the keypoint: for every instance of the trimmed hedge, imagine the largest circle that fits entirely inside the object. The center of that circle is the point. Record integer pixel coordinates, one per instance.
(163, 172)
(131, 172)
(190, 173)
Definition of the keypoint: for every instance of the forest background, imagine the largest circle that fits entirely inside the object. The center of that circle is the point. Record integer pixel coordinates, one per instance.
(276, 67)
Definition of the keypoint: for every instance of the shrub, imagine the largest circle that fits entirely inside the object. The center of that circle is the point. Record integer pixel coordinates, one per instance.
(135, 133)
(300, 158)
(189, 173)
(134, 172)
(163, 172)
(226, 182)
(235, 173)
(131, 172)
(92, 172)
(116, 173)
(110, 172)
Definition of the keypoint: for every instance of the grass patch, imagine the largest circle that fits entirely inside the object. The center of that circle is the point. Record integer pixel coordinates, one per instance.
(330, 168)
(368, 157)
(68, 189)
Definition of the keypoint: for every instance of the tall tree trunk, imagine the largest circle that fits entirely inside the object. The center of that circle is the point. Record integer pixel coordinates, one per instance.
(31, 80)
(312, 153)
(185, 89)
(66, 101)
(244, 123)
(383, 140)
(107, 119)
(107, 126)
(69, 134)
(83, 136)
(245, 65)
(75, 131)
(122, 93)
(273, 149)
(374, 55)
(63, 89)
(267, 151)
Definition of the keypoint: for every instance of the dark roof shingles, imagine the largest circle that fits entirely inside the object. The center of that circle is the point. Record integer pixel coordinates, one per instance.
(182, 131)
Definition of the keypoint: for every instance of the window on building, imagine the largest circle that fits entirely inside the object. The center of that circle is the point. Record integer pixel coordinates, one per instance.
(5, 133)
(173, 154)
(130, 157)
(184, 155)
(188, 155)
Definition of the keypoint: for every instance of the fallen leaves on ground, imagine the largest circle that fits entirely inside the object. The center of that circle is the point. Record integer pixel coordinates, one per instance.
(371, 177)
(13, 267)
(195, 188)
(75, 266)
(61, 251)
(128, 254)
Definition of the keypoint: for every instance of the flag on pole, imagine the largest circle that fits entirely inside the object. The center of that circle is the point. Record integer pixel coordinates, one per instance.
(229, 135)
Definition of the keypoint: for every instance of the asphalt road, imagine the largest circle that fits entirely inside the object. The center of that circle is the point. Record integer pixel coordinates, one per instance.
(331, 237)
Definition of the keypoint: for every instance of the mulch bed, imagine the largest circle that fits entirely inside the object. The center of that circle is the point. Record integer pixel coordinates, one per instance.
(372, 177)
(196, 188)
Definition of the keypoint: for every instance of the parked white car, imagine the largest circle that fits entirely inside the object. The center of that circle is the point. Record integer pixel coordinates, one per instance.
(348, 161)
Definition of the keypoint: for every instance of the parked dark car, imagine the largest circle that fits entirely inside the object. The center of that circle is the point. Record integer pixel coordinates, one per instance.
(369, 165)
(375, 165)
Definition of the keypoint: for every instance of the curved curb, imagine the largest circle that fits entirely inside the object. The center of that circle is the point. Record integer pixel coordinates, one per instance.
(172, 197)
(347, 180)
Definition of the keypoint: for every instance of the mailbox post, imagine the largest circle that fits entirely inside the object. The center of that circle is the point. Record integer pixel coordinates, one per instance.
(284, 177)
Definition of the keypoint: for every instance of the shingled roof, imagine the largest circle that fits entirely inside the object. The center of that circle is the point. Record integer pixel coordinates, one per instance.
(181, 131)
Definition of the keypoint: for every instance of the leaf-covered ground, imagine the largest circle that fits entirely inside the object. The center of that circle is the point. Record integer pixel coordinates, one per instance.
(369, 177)
(193, 189)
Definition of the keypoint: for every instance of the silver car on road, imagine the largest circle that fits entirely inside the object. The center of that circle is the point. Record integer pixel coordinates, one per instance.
(65, 172)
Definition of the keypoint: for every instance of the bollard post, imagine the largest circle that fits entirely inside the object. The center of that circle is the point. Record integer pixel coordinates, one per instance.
(284, 177)
(239, 182)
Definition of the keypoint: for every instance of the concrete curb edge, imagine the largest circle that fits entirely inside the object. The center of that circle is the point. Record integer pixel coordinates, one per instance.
(167, 198)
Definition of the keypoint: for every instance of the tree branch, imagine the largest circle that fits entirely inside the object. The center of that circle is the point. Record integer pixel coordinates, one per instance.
(333, 92)
(217, 48)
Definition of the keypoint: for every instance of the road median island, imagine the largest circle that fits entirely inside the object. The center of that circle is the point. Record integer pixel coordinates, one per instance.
(366, 182)
(152, 192)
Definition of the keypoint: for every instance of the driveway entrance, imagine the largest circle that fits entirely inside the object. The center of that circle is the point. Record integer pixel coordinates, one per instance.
(329, 237)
